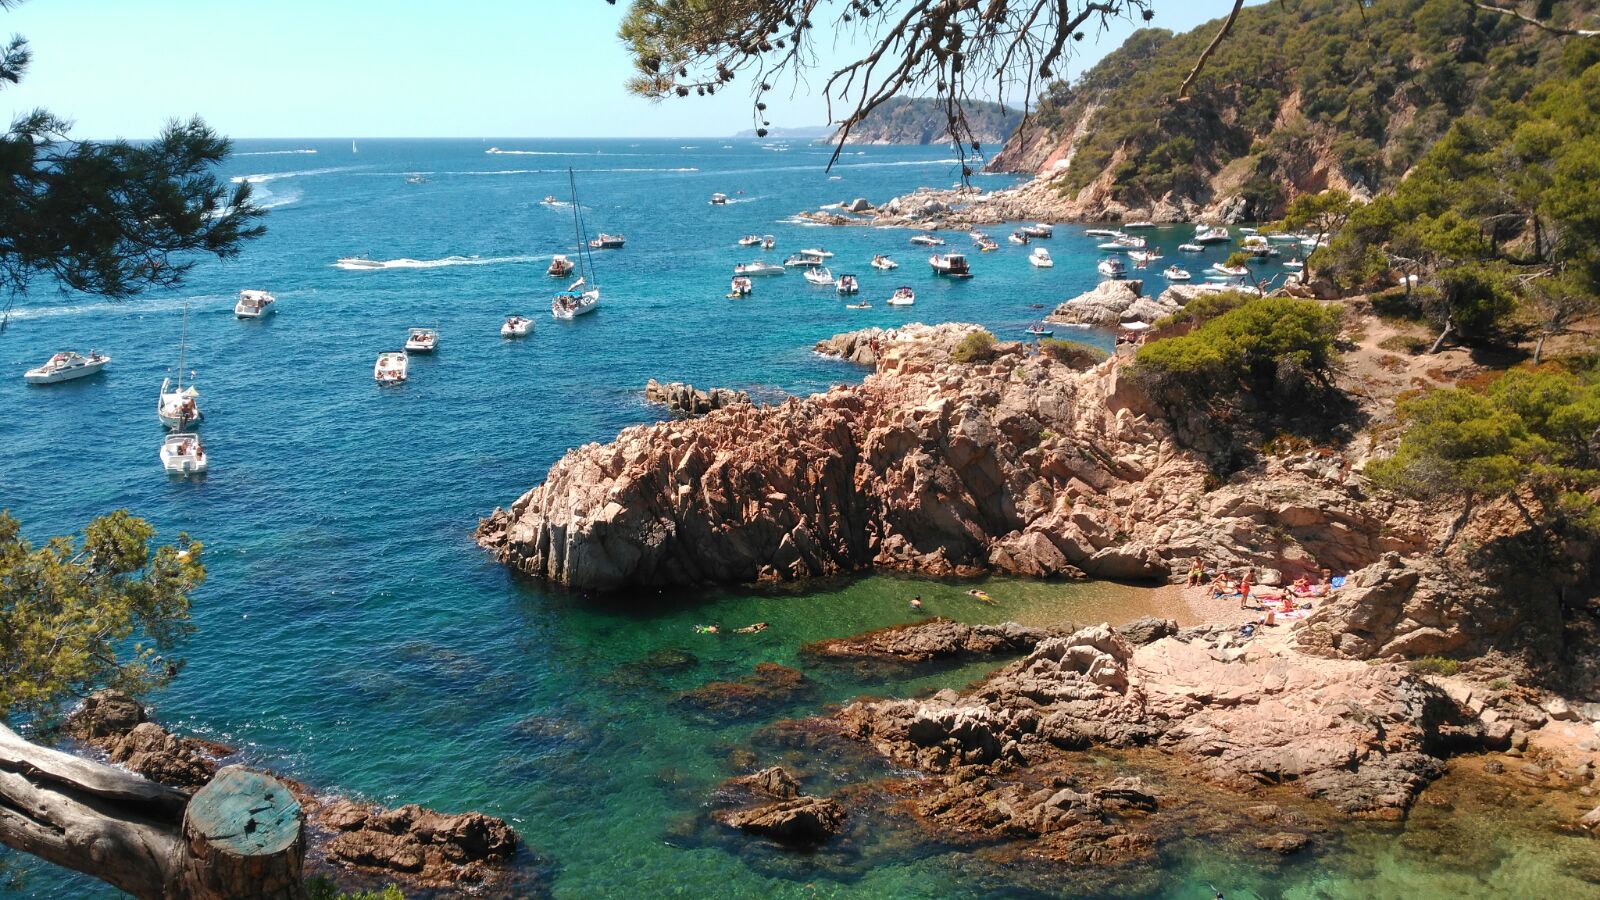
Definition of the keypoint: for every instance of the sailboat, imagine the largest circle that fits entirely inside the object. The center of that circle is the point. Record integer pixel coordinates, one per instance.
(178, 406)
(575, 301)
(353, 146)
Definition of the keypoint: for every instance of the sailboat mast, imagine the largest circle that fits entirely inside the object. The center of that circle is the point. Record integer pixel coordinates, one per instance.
(183, 343)
(577, 223)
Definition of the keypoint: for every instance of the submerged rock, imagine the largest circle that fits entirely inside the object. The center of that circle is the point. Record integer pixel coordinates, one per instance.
(767, 687)
(431, 848)
(803, 821)
(937, 638)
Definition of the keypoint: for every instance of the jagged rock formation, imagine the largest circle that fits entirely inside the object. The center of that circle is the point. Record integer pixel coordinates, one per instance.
(686, 399)
(1018, 465)
(1112, 302)
(937, 638)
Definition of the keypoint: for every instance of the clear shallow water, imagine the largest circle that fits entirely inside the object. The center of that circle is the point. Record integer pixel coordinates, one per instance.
(352, 636)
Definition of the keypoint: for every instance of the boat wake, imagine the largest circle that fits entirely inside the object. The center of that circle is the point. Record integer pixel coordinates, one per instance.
(563, 171)
(353, 264)
(122, 307)
(276, 153)
(264, 177)
(496, 151)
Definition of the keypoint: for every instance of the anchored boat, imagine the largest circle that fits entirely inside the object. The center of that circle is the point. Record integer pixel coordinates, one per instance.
(68, 366)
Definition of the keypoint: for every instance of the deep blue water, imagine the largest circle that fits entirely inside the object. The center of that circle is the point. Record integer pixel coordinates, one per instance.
(350, 633)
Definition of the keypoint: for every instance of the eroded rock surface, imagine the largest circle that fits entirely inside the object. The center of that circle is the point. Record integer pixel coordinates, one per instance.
(937, 638)
(432, 849)
(686, 399)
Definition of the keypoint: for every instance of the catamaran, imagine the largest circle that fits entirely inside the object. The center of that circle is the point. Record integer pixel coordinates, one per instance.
(66, 366)
(178, 406)
(253, 304)
(575, 300)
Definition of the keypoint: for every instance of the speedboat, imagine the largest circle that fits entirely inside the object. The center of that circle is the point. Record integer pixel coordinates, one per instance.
(903, 297)
(978, 237)
(928, 240)
(1191, 248)
(1140, 224)
(358, 262)
(719, 199)
(1295, 264)
(1040, 258)
(560, 266)
(750, 240)
(799, 260)
(1143, 257)
(1230, 271)
(1173, 273)
(1282, 237)
(951, 264)
(253, 304)
(1248, 231)
(1018, 237)
(1256, 245)
(883, 263)
(550, 200)
(819, 276)
(818, 254)
(1112, 268)
(516, 326)
(178, 406)
(416, 178)
(768, 242)
(740, 286)
(1211, 235)
(391, 367)
(66, 366)
(1039, 331)
(183, 454)
(1311, 243)
(422, 340)
(1038, 230)
(604, 241)
(847, 285)
(1100, 232)
(1111, 245)
(757, 267)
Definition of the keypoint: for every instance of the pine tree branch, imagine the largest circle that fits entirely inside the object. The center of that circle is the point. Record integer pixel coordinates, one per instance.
(1553, 29)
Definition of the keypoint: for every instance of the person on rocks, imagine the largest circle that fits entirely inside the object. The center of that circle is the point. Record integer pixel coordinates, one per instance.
(1197, 572)
(1222, 586)
(1301, 586)
(1245, 584)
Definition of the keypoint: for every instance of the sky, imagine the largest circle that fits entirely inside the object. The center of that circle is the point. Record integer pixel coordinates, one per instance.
(389, 68)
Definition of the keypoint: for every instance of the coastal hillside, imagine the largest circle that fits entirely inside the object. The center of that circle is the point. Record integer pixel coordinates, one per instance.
(922, 120)
(1300, 98)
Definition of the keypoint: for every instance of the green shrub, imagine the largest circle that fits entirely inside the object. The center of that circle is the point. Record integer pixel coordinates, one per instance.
(974, 348)
(1265, 346)
(1396, 303)
(1433, 665)
(1073, 354)
(1204, 308)
(321, 887)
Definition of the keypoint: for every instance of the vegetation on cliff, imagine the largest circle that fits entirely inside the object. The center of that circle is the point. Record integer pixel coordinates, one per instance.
(1300, 96)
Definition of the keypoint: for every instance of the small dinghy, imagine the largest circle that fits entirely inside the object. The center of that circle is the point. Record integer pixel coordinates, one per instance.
(750, 240)
(1191, 248)
(560, 266)
(516, 326)
(903, 297)
(883, 263)
(1040, 258)
(422, 340)
(1173, 273)
(1040, 331)
(1230, 271)
(862, 305)
(816, 253)
(768, 242)
(391, 367)
(1143, 257)
(68, 366)
(1295, 264)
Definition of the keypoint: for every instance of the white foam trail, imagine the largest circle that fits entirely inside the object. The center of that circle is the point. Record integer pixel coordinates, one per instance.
(496, 151)
(275, 152)
(563, 171)
(264, 177)
(120, 307)
(408, 263)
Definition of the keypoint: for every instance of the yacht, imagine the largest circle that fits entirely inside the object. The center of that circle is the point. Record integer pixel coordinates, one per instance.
(391, 367)
(1018, 237)
(1191, 248)
(178, 406)
(847, 285)
(1039, 230)
(819, 254)
(750, 240)
(1141, 224)
(1112, 268)
(577, 300)
(1211, 235)
(719, 199)
(1230, 271)
(182, 453)
(819, 276)
(740, 286)
(67, 366)
(883, 263)
(951, 264)
(253, 304)
(560, 266)
(1173, 273)
(358, 262)
(422, 340)
(1040, 258)
(903, 297)
(928, 240)
(516, 326)
(1101, 232)
(757, 267)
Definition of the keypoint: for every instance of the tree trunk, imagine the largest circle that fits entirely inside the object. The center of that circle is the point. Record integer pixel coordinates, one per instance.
(1538, 348)
(1455, 527)
(1449, 326)
(240, 836)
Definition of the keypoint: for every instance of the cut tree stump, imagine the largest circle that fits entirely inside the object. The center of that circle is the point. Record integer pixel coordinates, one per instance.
(245, 836)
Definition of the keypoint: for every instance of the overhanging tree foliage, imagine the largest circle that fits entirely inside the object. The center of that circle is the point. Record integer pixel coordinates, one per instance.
(82, 613)
(111, 218)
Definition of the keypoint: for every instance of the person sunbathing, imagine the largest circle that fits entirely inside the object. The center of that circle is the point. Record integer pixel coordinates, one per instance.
(1301, 586)
(1222, 586)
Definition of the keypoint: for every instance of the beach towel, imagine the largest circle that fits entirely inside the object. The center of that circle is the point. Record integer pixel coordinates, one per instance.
(1337, 581)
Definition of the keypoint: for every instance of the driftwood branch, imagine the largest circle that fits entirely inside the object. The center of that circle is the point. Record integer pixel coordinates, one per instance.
(1200, 64)
(1553, 29)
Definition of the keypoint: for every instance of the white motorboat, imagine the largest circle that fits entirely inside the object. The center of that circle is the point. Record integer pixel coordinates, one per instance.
(1256, 245)
(928, 240)
(740, 286)
(750, 240)
(603, 241)
(1282, 237)
(1111, 245)
(978, 237)
(67, 366)
(1191, 248)
(1295, 264)
(768, 242)
(1101, 232)
(177, 404)
(1211, 235)
(1017, 237)
(422, 340)
(358, 262)
(1039, 230)
(1143, 257)
(577, 300)
(757, 267)
(819, 276)
(1311, 243)
(1112, 268)
(817, 254)
(1173, 273)
(253, 304)
(391, 367)
(550, 199)
(1230, 271)
(1040, 258)
(883, 263)
(1141, 224)
(719, 199)
(516, 326)
(182, 453)
(799, 260)
(1248, 231)
(953, 265)
(560, 266)
(416, 178)
(903, 297)
(847, 285)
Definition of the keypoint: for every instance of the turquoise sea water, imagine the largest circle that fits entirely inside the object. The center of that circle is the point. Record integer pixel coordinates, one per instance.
(352, 636)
